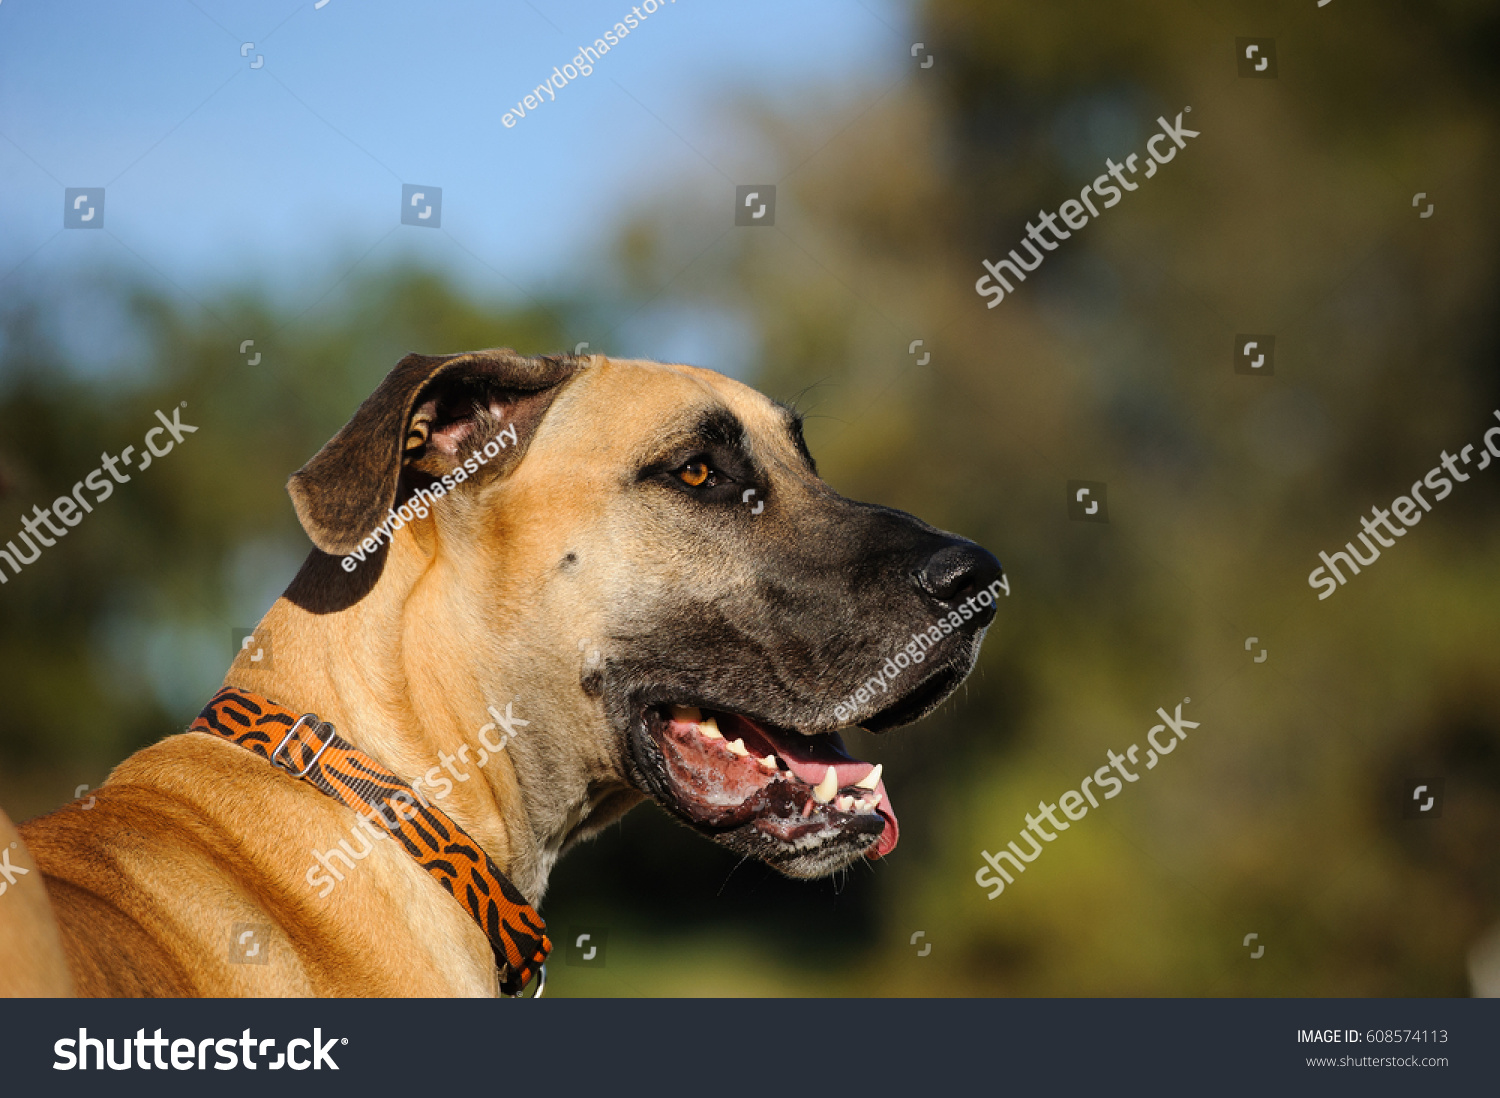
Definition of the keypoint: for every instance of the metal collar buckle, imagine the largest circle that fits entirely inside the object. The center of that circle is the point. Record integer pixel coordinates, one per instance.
(541, 985)
(311, 719)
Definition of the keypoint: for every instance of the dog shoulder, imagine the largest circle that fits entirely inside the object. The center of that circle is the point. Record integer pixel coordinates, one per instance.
(32, 961)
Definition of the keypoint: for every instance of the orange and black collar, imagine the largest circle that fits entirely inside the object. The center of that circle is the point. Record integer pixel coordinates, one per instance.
(308, 748)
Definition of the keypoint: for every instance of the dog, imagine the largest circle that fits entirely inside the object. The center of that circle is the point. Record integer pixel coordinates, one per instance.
(633, 568)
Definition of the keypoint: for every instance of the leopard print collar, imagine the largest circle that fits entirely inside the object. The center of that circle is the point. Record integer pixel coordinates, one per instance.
(309, 749)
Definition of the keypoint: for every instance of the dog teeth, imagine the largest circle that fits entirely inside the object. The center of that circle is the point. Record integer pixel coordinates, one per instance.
(737, 747)
(769, 762)
(873, 802)
(688, 714)
(872, 779)
(823, 792)
(709, 729)
(844, 803)
(807, 810)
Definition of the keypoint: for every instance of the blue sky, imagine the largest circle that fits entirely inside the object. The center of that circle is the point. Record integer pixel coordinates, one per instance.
(216, 171)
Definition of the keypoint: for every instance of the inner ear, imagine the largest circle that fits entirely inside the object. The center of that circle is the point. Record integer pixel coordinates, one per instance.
(452, 421)
(429, 414)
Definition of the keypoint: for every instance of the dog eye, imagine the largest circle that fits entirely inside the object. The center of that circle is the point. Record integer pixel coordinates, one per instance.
(695, 474)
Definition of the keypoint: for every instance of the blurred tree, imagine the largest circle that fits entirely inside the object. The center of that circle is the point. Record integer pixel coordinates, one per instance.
(1290, 214)
(119, 633)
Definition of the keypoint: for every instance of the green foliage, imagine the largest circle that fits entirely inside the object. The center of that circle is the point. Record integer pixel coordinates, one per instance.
(121, 631)
(1290, 214)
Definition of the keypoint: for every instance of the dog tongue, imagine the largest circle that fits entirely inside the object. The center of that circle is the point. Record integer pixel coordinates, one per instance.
(887, 841)
(809, 757)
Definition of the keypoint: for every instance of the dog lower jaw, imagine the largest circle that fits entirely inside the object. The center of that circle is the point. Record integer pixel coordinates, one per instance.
(754, 804)
(823, 851)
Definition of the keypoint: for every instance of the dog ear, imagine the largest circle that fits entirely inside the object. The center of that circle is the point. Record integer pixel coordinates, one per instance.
(428, 414)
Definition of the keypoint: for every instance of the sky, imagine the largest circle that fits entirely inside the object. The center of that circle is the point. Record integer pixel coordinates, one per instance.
(269, 142)
(271, 139)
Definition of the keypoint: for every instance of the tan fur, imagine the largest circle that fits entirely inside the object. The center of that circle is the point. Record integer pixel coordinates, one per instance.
(31, 953)
(467, 613)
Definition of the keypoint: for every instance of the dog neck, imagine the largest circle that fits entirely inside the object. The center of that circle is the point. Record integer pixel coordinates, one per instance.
(406, 673)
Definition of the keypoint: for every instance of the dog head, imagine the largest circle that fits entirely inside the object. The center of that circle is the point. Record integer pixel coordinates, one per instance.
(643, 559)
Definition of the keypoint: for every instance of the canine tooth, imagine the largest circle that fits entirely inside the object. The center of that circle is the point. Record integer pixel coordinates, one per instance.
(737, 747)
(689, 714)
(872, 779)
(845, 803)
(823, 792)
(709, 729)
(874, 802)
(769, 762)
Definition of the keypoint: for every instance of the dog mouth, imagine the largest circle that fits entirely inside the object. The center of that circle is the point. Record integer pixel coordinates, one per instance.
(781, 794)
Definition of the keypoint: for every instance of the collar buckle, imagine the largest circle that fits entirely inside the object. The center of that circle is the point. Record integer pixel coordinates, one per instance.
(310, 719)
(541, 985)
(518, 937)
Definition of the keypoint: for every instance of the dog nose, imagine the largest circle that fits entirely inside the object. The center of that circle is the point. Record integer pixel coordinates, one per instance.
(959, 571)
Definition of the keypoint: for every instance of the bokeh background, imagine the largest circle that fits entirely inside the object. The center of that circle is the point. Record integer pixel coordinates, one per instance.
(262, 203)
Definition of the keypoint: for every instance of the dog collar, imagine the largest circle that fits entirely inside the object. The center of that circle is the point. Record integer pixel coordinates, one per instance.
(309, 749)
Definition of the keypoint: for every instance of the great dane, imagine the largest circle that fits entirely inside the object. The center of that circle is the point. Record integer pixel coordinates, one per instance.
(542, 590)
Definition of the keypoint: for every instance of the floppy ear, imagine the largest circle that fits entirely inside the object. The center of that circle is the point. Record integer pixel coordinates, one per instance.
(428, 414)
